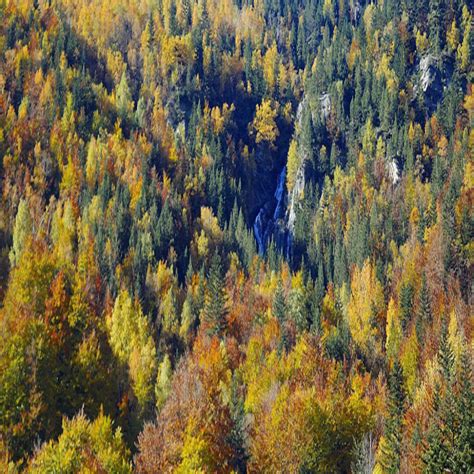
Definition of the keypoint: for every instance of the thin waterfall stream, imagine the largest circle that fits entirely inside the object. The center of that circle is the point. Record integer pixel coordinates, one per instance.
(269, 215)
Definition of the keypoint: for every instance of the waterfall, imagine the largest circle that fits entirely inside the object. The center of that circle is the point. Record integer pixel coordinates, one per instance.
(259, 230)
(279, 195)
(264, 226)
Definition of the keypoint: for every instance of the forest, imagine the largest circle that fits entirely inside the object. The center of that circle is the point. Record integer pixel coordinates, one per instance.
(236, 236)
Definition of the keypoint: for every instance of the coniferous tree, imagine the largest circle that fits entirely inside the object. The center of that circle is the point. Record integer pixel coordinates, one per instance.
(215, 309)
(279, 304)
(237, 435)
(443, 433)
(435, 455)
(435, 21)
(424, 308)
(463, 453)
(118, 130)
(445, 354)
(391, 452)
(406, 304)
(279, 310)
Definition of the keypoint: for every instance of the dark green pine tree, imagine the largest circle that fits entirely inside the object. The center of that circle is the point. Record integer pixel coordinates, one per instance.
(163, 231)
(231, 227)
(445, 355)
(438, 177)
(215, 301)
(436, 19)
(333, 158)
(189, 271)
(451, 436)
(279, 311)
(360, 249)
(199, 300)
(273, 256)
(301, 44)
(279, 303)
(244, 240)
(237, 433)
(315, 311)
(435, 456)
(248, 59)
(462, 456)
(340, 266)
(320, 286)
(385, 111)
(420, 231)
(424, 316)
(391, 452)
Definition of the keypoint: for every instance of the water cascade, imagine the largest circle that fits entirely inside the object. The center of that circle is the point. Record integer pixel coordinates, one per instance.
(269, 216)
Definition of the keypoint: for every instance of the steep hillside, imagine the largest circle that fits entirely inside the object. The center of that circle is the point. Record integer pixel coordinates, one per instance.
(236, 236)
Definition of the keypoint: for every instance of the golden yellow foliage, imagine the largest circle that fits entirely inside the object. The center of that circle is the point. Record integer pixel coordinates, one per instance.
(264, 122)
(453, 36)
(270, 67)
(409, 361)
(365, 305)
(421, 40)
(292, 165)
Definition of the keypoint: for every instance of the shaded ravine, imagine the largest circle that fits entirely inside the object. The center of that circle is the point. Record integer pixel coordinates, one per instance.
(267, 223)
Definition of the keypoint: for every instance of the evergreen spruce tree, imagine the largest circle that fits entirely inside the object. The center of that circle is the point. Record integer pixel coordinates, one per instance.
(462, 456)
(273, 256)
(435, 456)
(439, 440)
(237, 433)
(420, 231)
(315, 312)
(391, 453)
(424, 309)
(406, 304)
(445, 355)
(215, 300)
(279, 304)
(189, 271)
(435, 22)
(438, 176)
(340, 268)
(301, 44)
(164, 230)
(279, 309)
(297, 309)
(200, 298)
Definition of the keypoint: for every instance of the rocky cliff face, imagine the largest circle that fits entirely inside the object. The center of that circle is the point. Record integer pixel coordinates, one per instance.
(432, 76)
(429, 85)
(300, 180)
(295, 196)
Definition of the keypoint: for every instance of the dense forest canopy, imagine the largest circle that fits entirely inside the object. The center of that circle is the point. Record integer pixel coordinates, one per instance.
(236, 236)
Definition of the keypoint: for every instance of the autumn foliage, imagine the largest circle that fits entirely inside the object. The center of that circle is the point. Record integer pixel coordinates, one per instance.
(236, 236)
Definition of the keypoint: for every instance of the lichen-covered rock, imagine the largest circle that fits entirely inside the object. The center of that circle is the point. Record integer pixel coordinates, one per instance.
(432, 76)
(325, 105)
